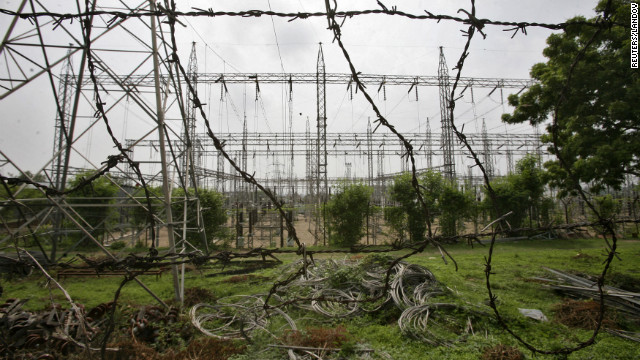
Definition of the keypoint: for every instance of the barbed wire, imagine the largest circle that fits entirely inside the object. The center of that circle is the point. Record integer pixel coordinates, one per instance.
(112, 162)
(611, 248)
(138, 263)
(134, 263)
(249, 178)
(381, 120)
(516, 26)
(87, 26)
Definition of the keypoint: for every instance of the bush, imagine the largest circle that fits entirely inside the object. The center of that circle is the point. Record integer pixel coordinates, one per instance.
(346, 212)
(118, 245)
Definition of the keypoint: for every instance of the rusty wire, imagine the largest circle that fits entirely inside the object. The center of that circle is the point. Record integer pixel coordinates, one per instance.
(386, 283)
(171, 13)
(605, 23)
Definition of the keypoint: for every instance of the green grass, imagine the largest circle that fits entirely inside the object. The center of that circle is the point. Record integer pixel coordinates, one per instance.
(513, 263)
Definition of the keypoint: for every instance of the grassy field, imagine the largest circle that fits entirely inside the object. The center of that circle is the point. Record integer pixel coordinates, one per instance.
(514, 263)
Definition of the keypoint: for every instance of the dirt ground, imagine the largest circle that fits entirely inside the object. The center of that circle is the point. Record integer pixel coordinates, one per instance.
(267, 234)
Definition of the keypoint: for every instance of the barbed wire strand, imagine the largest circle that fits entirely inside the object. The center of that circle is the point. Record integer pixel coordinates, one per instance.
(87, 26)
(605, 23)
(333, 25)
(249, 178)
(516, 26)
(475, 24)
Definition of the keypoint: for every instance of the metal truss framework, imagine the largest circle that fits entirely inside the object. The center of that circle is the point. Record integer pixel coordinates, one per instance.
(347, 145)
(28, 53)
(70, 90)
(332, 79)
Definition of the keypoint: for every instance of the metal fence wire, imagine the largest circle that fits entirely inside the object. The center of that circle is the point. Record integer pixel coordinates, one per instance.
(308, 283)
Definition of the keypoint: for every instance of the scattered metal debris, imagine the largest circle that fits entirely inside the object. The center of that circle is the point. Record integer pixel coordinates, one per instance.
(579, 287)
(55, 331)
(533, 314)
(625, 334)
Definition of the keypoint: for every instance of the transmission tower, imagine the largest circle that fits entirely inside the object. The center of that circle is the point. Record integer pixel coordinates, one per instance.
(486, 147)
(444, 86)
(309, 155)
(60, 141)
(243, 164)
(428, 145)
(321, 142)
(192, 152)
(536, 131)
(380, 175)
(369, 154)
(291, 144)
(509, 161)
(221, 182)
(309, 174)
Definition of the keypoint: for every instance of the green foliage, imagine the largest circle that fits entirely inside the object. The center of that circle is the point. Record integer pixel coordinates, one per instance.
(377, 259)
(403, 192)
(100, 193)
(139, 215)
(118, 245)
(34, 204)
(521, 193)
(454, 205)
(211, 207)
(512, 263)
(607, 206)
(597, 119)
(11, 211)
(396, 219)
(346, 212)
(442, 198)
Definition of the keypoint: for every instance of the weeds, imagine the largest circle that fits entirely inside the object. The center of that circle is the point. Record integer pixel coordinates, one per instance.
(582, 314)
(502, 352)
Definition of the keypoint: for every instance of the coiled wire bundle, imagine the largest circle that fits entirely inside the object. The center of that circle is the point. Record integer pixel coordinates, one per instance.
(339, 289)
(235, 317)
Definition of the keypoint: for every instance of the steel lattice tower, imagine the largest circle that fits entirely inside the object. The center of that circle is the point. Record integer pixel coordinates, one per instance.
(310, 169)
(61, 138)
(369, 155)
(189, 136)
(536, 131)
(380, 191)
(428, 145)
(321, 141)
(509, 162)
(449, 167)
(486, 147)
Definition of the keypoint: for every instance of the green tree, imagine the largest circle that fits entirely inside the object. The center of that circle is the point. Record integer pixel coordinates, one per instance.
(211, 206)
(28, 175)
(140, 215)
(508, 197)
(597, 115)
(532, 180)
(11, 211)
(94, 200)
(396, 219)
(404, 194)
(455, 206)
(346, 212)
(521, 192)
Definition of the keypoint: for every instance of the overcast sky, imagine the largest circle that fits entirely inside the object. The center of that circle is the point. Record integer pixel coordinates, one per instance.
(378, 44)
